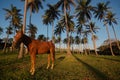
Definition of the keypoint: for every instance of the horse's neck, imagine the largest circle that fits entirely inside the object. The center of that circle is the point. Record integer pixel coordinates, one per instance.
(26, 40)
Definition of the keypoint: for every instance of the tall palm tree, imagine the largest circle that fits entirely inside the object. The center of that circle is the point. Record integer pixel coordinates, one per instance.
(34, 6)
(93, 28)
(1, 30)
(110, 19)
(109, 39)
(8, 32)
(58, 31)
(14, 16)
(66, 9)
(83, 11)
(83, 14)
(101, 9)
(100, 12)
(50, 15)
(20, 55)
(32, 30)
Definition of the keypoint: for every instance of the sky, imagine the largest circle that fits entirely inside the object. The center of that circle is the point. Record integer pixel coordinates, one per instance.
(37, 19)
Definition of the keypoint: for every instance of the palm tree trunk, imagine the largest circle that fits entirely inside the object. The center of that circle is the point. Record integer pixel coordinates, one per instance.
(24, 26)
(94, 42)
(47, 33)
(67, 33)
(109, 41)
(85, 48)
(6, 40)
(53, 39)
(116, 37)
(30, 17)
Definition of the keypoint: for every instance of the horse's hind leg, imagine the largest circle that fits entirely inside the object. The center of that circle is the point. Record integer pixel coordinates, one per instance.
(53, 58)
(48, 65)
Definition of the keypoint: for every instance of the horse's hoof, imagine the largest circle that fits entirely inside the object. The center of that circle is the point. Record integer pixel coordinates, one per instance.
(32, 73)
(52, 66)
(47, 68)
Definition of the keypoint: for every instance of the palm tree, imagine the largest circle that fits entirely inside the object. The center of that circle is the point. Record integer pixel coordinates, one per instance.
(50, 15)
(77, 41)
(13, 14)
(72, 42)
(65, 41)
(34, 6)
(84, 41)
(92, 27)
(1, 30)
(32, 30)
(110, 19)
(20, 55)
(83, 11)
(58, 31)
(101, 9)
(109, 39)
(66, 9)
(100, 12)
(42, 37)
(8, 32)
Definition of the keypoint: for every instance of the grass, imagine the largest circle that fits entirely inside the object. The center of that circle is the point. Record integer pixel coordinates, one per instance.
(76, 67)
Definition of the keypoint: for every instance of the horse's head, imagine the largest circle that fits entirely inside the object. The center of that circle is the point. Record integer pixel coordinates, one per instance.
(18, 38)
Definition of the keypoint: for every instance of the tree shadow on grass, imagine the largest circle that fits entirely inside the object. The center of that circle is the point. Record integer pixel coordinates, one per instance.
(98, 73)
(107, 58)
(58, 60)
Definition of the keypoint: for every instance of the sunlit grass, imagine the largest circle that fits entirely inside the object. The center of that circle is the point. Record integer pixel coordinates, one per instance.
(76, 67)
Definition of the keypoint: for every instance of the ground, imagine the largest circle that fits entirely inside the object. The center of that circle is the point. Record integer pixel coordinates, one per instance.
(75, 67)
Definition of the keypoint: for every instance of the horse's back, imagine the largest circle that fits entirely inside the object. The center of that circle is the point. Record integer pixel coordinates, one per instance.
(44, 47)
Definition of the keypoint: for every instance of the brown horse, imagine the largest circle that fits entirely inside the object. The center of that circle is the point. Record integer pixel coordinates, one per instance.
(36, 47)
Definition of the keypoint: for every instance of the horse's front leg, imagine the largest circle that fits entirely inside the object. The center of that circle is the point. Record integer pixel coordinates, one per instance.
(48, 65)
(32, 70)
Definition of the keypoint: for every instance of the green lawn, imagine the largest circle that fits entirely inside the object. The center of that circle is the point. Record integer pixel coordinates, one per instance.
(76, 67)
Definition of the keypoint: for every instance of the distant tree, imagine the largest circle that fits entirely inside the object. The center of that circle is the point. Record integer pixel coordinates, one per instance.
(93, 28)
(49, 17)
(84, 42)
(13, 14)
(77, 41)
(32, 30)
(8, 32)
(59, 28)
(42, 37)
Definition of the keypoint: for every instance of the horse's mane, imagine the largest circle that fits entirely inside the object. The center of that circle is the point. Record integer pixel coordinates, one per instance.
(26, 40)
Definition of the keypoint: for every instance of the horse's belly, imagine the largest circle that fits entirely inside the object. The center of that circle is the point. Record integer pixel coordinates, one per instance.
(43, 51)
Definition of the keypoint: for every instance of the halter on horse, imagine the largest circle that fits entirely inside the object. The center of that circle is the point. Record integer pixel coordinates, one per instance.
(36, 47)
